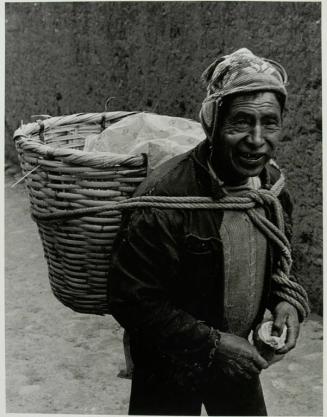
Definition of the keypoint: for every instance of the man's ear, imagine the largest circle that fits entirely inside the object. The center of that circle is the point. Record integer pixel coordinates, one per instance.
(207, 115)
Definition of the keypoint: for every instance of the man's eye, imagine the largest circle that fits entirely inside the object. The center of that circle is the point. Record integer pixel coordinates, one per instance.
(272, 123)
(242, 122)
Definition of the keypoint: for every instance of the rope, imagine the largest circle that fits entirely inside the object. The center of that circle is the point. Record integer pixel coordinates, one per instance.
(190, 203)
(288, 290)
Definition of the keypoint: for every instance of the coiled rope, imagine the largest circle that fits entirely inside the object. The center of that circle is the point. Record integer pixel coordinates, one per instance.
(288, 290)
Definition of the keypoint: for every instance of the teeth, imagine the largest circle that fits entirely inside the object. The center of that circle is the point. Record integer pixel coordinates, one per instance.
(249, 156)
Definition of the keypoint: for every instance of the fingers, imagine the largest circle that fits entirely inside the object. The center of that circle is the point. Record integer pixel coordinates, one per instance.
(248, 366)
(253, 370)
(253, 359)
(293, 329)
(237, 357)
(254, 364)
(259, 362)
(278, 325)
(244, 370)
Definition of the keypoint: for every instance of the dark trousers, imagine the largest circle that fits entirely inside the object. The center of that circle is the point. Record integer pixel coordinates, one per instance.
(152, 397)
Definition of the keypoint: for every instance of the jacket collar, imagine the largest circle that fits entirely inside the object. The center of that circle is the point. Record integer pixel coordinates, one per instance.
(200, 155)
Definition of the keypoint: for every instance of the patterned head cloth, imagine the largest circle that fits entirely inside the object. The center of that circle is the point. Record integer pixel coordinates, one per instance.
(238, 73)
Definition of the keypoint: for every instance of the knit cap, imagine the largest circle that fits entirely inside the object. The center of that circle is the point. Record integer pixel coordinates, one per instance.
(238, 73)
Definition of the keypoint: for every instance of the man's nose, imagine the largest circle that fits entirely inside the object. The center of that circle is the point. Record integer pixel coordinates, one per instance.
(256, 138)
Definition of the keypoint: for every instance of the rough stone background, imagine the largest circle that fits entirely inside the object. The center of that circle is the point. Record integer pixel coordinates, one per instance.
(63, 58)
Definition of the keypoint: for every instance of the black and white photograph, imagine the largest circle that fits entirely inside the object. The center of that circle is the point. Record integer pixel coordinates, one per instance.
(163, 233)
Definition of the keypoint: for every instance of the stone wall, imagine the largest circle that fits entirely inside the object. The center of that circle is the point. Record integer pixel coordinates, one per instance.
(64, 58)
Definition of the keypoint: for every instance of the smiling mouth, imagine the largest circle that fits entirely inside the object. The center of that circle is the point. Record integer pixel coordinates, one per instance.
(252, 159)
(251, 156)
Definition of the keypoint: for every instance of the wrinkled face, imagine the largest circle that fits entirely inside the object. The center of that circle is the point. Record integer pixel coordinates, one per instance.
(251, 127)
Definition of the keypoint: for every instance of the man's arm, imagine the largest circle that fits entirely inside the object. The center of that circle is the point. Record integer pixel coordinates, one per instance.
(145, 264)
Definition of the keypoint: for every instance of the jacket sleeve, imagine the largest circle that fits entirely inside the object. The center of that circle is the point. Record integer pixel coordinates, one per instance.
(145, 259)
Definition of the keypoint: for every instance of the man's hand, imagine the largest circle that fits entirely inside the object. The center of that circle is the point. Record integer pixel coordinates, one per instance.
(236, 357)
(286, 314)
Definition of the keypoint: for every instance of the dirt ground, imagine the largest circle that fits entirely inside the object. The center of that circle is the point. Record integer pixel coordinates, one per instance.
(58, 361)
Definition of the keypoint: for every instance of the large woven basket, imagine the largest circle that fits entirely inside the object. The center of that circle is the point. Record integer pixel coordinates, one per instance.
(61, 177)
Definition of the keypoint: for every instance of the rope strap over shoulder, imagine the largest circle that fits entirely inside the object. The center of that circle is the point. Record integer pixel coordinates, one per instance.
(288, 290)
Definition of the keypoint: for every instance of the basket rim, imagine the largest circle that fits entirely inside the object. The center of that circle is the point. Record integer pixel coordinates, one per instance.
(22, 138)
(77, 118)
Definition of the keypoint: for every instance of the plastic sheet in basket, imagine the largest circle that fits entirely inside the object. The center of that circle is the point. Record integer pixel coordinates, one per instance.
(159, 137)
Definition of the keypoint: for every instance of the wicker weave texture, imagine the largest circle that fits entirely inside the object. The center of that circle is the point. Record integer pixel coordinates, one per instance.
(62, 177)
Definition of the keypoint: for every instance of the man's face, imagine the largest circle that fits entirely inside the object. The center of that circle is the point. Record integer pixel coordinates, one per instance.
(250, 129)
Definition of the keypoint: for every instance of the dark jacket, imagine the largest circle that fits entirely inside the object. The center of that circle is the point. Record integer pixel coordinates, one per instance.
(166, 278)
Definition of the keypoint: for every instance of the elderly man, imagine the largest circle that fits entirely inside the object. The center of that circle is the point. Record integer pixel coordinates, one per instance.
(189, 285)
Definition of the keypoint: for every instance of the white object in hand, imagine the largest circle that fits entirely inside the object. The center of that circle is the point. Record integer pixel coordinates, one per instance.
(276, 342)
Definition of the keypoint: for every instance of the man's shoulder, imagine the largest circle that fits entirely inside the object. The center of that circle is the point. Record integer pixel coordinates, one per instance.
(174, 177)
